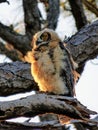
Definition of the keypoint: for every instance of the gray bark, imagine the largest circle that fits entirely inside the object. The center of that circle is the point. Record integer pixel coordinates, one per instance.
(10, 53)
(16, 78)
(91, 7)
(32, 21)
(50, 125)
(83, 46)
(41, 103)
(78, 13)
(20, 42)
(53, 13)
(1, 1)
(31, 17)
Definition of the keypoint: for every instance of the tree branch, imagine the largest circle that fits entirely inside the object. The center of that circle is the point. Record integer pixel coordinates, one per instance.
(83, 46)
(12, 54)
(53, 13)
(20, 42)
(16, 78)
(1, 1)
(78, 13)
(31, 17)
(32, 21)
(47, 125)
(41, 103)
(91, 7)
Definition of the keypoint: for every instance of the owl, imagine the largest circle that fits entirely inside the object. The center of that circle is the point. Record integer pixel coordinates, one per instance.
(52, 66)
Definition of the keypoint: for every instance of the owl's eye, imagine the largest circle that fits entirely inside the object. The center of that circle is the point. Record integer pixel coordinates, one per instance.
(45, 36)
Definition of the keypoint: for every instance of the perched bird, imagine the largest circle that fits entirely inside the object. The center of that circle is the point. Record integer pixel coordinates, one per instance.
(52, 66)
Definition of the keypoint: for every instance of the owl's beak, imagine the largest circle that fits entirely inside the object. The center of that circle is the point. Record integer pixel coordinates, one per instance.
(41, 42)
(38, 42)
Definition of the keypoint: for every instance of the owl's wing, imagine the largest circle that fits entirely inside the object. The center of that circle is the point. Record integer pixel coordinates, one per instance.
(67, 72)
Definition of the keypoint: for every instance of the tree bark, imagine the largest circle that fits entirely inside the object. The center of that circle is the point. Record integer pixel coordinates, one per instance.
(50, 125)
(41, 103)
(31, 17)
(16, 77)
(78, 13)
(20, 42)
(83, 46)
(91, 7)
(53, 14)
(1, 1)
(32, 21)
(12, 53)
(78, 126)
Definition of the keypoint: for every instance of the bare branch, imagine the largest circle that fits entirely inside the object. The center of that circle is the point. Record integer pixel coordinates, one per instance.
(31, 17)
(41, 103)
(84, 44)
(53, 13)
(12, 54)
(1, 1)
(20, 42)
(15, 78)
(78, 13)
(91, 7)
(47, 125)
(32, 20)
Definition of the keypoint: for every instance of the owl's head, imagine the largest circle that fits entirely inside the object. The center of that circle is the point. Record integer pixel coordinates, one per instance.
(46, 37)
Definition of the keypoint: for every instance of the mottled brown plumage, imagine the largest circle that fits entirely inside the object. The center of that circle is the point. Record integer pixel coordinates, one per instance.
(52, 66)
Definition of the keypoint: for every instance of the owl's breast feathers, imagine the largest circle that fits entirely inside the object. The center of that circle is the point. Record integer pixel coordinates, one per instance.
(52, 69)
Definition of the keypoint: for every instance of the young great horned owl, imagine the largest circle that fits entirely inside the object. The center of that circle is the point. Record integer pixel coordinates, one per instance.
(52, 66)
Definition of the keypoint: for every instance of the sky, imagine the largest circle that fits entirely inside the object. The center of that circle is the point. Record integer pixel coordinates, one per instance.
(87, 87)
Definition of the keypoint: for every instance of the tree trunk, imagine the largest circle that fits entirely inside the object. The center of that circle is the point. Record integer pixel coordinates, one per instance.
(78, 13)
(53, 14)
(31, 17)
